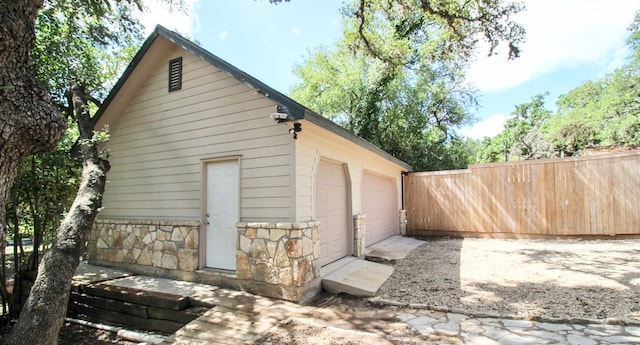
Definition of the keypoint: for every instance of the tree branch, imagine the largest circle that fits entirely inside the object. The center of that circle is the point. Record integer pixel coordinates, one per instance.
(94, 101)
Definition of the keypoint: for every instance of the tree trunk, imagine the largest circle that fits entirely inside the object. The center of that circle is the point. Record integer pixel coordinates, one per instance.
(29, 122)
(44, 312)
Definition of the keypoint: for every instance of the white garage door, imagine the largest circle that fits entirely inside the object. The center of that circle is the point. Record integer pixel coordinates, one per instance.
(331, 211)
(380, 206)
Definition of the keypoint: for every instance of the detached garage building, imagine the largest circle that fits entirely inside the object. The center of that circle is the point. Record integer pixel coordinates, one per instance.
(218, 178)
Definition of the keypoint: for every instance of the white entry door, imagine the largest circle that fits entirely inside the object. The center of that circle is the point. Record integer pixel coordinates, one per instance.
(222, 214)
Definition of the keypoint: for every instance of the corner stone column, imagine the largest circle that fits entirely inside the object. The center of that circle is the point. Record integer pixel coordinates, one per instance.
(279, 259)
(403, 222)
(359, 231)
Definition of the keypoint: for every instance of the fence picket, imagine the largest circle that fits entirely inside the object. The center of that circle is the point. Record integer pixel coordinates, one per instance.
(593, 195)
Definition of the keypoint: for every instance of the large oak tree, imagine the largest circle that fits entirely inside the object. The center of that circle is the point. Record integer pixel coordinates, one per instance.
(396, 77)
(29, 121)
(43, 77)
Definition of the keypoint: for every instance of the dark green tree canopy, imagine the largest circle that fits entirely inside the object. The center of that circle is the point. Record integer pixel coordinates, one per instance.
(396, 78)
(52, 62)
(598, 113)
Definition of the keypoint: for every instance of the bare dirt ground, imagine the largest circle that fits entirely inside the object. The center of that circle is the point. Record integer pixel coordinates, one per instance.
(565, 279)
(74, 334)
(534, 279)
(300, 331)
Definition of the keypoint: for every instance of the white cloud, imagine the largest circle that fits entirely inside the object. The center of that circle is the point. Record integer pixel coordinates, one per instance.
(223, 35)
(488, 127)
(184, 21)
(559, 34)
(295, 31)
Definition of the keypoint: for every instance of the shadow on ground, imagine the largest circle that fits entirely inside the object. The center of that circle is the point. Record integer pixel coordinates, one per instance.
(535, 279)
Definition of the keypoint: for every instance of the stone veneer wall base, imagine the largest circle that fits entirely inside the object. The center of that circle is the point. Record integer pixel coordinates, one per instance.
(172, 245)
(403, 222)
(279, 260)
(359, 235)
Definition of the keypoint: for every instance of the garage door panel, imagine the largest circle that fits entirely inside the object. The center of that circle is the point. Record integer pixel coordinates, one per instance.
(380, 207)
(331, 211)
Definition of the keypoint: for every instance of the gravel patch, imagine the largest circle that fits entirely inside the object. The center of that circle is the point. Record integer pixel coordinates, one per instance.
(532, 279)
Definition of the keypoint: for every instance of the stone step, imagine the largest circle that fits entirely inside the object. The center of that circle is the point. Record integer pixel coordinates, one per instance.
(137, 296)
(357, 278)
(90, 313)
(140, 304)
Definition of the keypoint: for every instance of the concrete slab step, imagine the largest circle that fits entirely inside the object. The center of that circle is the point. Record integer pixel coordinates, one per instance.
(357, 278)
(336, 265)
(393, 248)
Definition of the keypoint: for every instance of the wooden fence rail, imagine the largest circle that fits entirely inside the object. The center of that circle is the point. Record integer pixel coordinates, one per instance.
(595, 195)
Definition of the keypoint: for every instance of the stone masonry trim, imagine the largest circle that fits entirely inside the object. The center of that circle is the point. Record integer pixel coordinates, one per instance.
(282, 253)
(164, 244)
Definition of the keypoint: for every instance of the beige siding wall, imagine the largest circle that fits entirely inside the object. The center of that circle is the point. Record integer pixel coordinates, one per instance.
(160, 140)
(315, 143)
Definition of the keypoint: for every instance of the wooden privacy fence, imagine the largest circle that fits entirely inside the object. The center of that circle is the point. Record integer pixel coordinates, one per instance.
(588, 196)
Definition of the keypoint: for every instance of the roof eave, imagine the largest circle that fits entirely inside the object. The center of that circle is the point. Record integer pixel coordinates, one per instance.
(332, 127)
(296, 110)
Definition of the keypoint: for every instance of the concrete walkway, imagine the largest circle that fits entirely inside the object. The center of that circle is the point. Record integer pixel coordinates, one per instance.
(238, 318)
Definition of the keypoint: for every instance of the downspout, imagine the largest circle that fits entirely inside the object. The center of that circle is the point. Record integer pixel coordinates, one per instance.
(403, 175)
(403, 212)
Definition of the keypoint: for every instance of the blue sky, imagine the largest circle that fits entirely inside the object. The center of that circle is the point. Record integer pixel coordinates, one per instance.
(568, 43)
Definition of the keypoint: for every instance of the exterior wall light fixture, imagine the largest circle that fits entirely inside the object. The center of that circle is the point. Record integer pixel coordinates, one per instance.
(297, 127)
(282, 114)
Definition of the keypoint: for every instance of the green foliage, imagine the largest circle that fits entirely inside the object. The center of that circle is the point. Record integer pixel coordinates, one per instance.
(81, 42)
(633, 41)
(409, 114)
(78, 41)
(456, 153)
(396, 78)
(44, 191)
(577, 124)
(490, 150)
(523, 132)
(600, 113)
(441, 30)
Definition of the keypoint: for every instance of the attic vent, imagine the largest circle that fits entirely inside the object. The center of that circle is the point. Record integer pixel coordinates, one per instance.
(175, 74)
